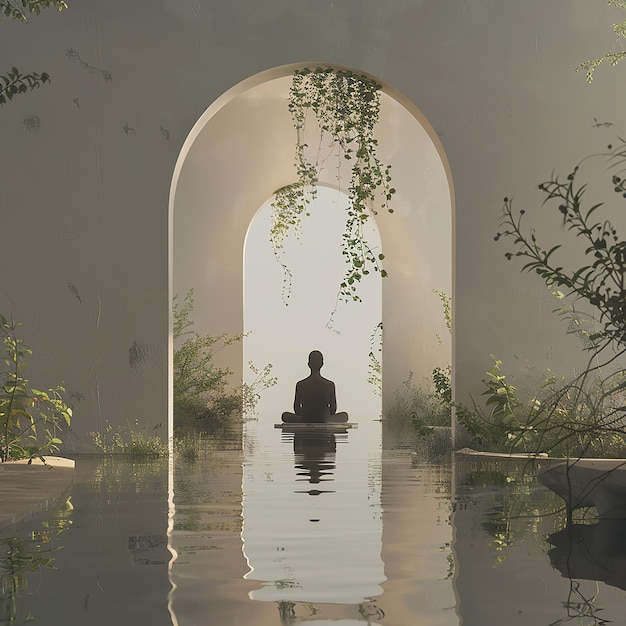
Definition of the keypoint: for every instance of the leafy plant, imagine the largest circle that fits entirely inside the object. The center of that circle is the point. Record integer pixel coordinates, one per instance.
(420, 405)
(15, 82)
(443, 385)
(200, 387)
(346, 107)
(572, 419)
(30, 419)
(599, 284)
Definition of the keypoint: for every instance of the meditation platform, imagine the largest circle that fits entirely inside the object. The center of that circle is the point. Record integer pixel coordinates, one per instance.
(316, 425)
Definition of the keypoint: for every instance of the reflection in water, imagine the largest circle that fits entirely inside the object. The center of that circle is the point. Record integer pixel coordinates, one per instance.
(595, 552)
(312, 516)
(24, 555)
(112, 568)
(294, 571)
(516, 561)
(314, 457)
(503, 578)
(591, 551)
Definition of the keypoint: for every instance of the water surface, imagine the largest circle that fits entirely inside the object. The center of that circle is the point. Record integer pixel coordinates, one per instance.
(326, 529)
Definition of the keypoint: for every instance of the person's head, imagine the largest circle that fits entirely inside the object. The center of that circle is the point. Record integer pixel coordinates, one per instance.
(316, 360)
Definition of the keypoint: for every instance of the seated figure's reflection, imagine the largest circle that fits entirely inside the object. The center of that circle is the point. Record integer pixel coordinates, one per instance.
(314, 458)
(591, 551)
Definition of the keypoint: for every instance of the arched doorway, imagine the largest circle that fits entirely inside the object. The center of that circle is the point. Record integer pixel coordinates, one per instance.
(241, 150)
(283, 323)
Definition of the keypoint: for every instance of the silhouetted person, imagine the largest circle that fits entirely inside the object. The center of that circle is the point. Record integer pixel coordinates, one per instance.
(315, 399)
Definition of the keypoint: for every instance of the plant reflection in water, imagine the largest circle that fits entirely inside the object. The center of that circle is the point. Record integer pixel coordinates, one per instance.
(517, 513)
(24, 555)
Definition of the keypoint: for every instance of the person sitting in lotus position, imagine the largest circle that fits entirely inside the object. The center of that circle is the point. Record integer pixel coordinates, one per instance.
(315, 399)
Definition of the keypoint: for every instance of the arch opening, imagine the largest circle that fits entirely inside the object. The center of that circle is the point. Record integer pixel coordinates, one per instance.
(240, 151)
(284, 323)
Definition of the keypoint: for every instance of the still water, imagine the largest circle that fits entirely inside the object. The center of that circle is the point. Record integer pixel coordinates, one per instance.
(296, 528)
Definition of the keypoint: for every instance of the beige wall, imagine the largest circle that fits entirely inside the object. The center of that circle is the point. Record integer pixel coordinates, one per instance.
(85, 183)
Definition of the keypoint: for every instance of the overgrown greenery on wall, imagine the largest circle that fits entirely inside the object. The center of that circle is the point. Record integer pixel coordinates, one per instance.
(611, 57)
(30, 419)
(14, 82)
(345, 108)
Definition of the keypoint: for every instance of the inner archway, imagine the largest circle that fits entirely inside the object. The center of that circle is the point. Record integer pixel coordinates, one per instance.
(241, 151)
(284, 322)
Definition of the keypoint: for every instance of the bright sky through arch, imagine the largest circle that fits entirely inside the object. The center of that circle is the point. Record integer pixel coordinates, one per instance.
(284, 335)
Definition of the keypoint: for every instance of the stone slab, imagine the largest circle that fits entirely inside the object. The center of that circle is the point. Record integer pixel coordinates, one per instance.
(28, 489)
(316, 425)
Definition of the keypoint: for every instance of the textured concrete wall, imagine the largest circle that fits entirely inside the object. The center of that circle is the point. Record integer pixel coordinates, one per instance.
(86, 163)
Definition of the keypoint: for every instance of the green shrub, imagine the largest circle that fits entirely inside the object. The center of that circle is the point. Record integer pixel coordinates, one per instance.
(136, 442)
(203, 395)
(561, 419)
(201, 389)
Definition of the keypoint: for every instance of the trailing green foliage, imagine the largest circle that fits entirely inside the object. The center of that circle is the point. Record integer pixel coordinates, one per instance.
(612, 58)
(202, 394)
(15, 82)
(375, 367)
(346, 107)
(446, 305)
(30, 420)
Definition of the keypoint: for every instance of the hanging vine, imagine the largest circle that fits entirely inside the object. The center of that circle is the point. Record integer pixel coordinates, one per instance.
(346, 106)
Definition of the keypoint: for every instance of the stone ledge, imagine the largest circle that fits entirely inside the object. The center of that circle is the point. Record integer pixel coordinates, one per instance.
(26, 489)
